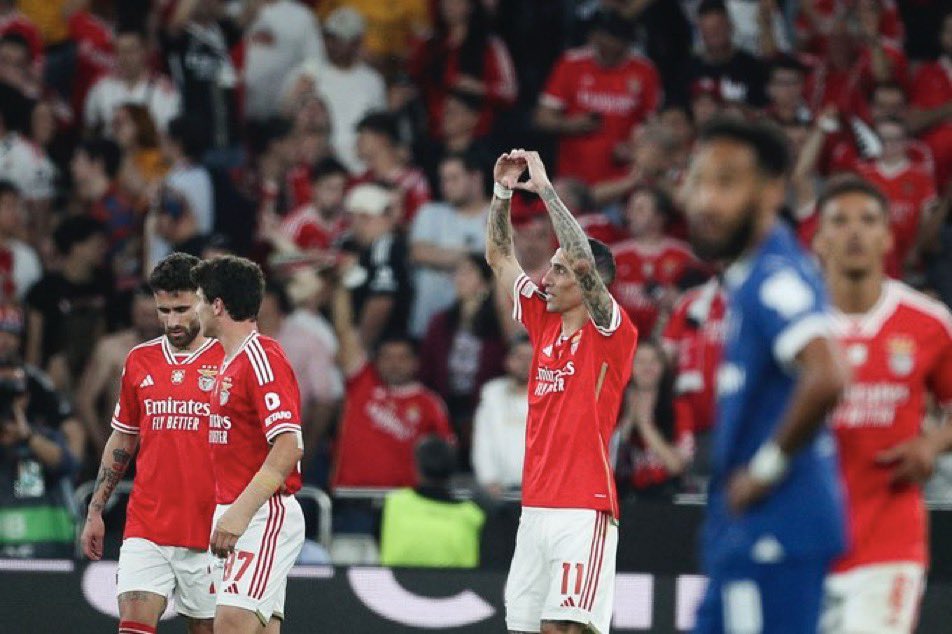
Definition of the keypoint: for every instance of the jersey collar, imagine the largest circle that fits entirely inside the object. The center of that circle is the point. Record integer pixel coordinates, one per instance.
(175, 358)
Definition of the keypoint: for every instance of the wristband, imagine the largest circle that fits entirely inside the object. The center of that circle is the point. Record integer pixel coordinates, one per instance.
(501, 192)
(769, 464)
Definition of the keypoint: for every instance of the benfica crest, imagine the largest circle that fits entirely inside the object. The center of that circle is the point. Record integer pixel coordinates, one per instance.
(225, 389)
(901, 353)
(206, 378)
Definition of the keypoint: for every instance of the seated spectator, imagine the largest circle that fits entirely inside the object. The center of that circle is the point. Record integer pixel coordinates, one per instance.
(443, 235)
(738, 75)
(380, 281)
(22, 162)
(785, 91)
(20, 266)
(67, 308)
(463, 346)
(143, 166)
(386, 410)
(17, 67)
(592, 117)
(651, 453)
(132, 82)
(931, 115)
(458, 135)
(425, 527)
(649, 265)
(499, 426)
(316, 227)
(380, 148)
(464, 54)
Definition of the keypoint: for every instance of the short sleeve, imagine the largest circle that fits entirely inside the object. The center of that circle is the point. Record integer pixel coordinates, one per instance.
(125, 418)
(940, 379)
(274, 390)
(792, 312)
(426, 224)
(440, 420)
(558, 89)
(614, 324)
(528, 306)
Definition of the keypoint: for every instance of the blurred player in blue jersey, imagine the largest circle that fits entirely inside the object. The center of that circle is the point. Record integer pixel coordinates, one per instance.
(775, 514)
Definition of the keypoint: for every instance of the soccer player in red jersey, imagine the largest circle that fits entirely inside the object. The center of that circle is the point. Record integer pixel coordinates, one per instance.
(899, 345)
(163, 410)
(562, 573)
(256, 447)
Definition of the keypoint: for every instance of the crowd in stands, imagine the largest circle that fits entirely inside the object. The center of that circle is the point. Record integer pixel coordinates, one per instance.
(347, 146)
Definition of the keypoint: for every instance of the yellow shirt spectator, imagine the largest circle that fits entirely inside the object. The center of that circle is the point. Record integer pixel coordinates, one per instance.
(50, 18)
(391, 26)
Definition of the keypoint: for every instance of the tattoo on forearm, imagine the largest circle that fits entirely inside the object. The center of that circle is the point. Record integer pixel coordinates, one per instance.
(574, 244)
(499, 227)
(108, 478)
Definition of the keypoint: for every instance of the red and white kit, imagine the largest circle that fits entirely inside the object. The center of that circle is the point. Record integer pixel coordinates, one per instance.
(899, 351)
(564, 564)
(164, 400)
(255, 399)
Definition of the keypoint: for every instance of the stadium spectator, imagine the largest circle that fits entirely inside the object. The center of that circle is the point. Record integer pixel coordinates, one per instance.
(758, 27)
(280, 34)
(647, 153)
(132, 82)
(143, 166)
(22, 162)
(317, 226)
(380, 148)
(66, 309)
(386, 412)
(592, 116)
(424, 527)
(499, 425)
(458, 135)
(815, 22)
(785, 102)
(931, 114)
(16, 65)
(20, 266)
(13, 21)
(348, 86)
(443, 234)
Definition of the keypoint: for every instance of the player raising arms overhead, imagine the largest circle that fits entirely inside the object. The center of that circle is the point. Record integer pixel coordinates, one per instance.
(562, 576)
(255, 438)
(899, 344)
(163, 409)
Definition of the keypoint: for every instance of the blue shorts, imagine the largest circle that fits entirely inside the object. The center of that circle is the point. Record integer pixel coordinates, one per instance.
(750, 598)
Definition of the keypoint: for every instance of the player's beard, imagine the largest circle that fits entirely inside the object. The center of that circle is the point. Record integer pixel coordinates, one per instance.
(733, 246)
(185, 337)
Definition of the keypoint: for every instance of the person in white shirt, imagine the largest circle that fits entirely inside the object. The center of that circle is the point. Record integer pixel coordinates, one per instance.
(282, 34)
(22, 162)
(499, 428)
(20, 266)
(131, 82)
(349, 87)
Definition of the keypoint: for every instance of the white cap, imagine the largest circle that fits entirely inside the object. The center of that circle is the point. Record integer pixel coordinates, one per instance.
(368, 199)
(346, 23)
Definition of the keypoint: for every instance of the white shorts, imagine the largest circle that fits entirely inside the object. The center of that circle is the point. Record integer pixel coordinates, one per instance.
(874, 599)
(563, 569)
(164, 570)
(255, 575)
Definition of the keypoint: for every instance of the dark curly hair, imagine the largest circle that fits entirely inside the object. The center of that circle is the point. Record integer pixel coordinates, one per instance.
(238, 282)
(174, 274)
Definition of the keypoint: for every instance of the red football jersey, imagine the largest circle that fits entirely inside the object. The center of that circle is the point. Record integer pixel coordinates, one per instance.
(641, 270)
(908, 189)
(164, 400)
(575, 391)
(305, 227)
(932, 88)
(380, 428)
(411, 182)
(623, 96)
(255, 399)
(899, 351)
(695, 333)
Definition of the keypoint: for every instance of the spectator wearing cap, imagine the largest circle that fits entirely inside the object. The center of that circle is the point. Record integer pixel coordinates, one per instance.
(20, 266)
(381, 149)
(464, 54)
(380, 283)
(425, 527)
(740, 77)
(67, 308)
(593, 97)
(348, 86)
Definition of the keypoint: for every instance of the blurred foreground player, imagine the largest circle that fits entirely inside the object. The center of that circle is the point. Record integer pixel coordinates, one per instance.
(899, 344)
(256, 446)
(775, 510)
(562, 575)
(163, 409)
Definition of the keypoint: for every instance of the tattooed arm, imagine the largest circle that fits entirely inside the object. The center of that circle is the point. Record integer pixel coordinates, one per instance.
(572, 240)
(500, 253)
(115, 461)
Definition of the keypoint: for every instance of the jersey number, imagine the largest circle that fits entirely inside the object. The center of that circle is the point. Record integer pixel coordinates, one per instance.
(245, 558)
(272, 401)
(567, 572)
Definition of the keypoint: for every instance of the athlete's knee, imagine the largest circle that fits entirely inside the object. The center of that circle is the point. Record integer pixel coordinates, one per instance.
(231, 620)
(141, 607)
(200, 626)
(562, 627)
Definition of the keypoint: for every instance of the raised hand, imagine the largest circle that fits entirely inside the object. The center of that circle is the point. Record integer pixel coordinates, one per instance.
(538, 178)
(508, 169)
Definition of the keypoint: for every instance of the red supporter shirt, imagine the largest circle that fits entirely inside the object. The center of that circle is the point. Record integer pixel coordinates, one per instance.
(899, 351)
(381, 426)
(600, 227)
(164, 400)
(640, 268)
(908, 189)
(624, 95)
(255, 399)
(890, 22)
(695, 334)
(308, 230)
(15, 22)
(94, 54)
(575, 392)
(411, 182)
(932, 88)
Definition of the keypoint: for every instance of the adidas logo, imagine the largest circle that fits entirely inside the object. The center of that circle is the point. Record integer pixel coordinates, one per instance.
(568, 603)
(147, 381)
(547, 351)
(232, 589)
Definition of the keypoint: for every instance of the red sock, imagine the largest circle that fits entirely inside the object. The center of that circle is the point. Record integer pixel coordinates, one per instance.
(131, 627)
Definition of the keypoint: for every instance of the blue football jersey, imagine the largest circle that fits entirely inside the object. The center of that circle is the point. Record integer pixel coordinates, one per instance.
(776, 305)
